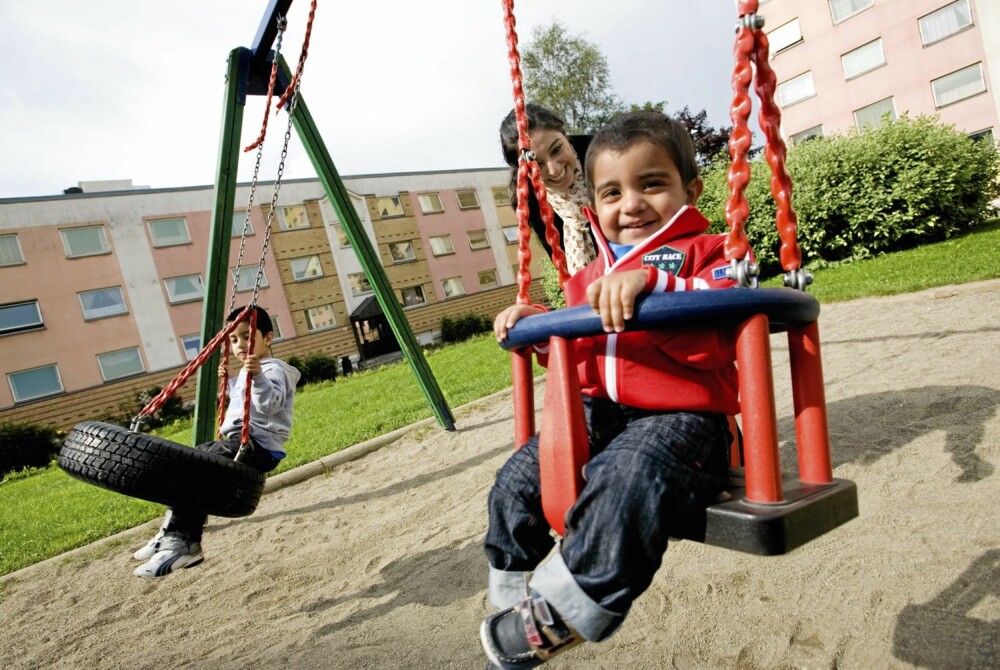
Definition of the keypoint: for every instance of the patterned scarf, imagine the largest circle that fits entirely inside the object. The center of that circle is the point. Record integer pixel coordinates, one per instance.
(579, 247)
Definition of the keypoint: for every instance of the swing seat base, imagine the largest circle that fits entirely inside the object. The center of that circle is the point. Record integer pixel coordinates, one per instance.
(769, 529)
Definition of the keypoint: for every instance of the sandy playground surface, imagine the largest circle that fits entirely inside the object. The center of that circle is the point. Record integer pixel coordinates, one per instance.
(378, 563)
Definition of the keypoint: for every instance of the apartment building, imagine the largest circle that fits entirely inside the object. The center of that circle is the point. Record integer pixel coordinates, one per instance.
(101, 288)
(849, 63)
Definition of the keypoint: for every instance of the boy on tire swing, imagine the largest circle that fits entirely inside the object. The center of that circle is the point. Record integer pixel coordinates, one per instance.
(178, 543)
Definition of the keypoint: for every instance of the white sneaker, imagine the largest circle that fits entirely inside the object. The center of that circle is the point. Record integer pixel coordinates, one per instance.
(151, 548)
(174, 553)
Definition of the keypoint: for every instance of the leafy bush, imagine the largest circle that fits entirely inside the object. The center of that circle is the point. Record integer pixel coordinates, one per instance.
(172, 410)
(886, 188)
(27, 445)
(550, 282)
(314, 367)
(461, 328)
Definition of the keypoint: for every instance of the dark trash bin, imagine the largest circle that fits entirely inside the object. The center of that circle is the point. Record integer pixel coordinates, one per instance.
(346, 365)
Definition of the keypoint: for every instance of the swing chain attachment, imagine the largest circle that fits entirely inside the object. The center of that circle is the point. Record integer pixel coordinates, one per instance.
(797, 279)
(751, 21)
(744, 272)
(527, 155)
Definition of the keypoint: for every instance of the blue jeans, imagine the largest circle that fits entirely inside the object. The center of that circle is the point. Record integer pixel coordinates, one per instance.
(647, 470)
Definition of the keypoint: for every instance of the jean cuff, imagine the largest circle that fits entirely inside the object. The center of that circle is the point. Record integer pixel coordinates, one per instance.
(507, 587)
(554, 582)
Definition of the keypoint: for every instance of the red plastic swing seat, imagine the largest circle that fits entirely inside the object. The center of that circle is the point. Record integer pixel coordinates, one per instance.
(763, 511)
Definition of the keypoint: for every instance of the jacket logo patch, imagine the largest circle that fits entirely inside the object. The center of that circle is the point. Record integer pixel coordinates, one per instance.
(720, 272)
(665, 258)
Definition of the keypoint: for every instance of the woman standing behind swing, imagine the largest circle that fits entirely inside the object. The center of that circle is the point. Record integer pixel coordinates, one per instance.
(558, 158)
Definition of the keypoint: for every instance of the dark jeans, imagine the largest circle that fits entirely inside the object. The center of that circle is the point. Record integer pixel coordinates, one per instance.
(647, 470)
(190, 523)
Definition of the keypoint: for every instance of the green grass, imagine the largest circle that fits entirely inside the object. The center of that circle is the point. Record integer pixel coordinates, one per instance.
(46, 513)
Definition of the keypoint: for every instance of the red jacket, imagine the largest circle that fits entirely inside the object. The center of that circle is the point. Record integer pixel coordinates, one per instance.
(688, 370)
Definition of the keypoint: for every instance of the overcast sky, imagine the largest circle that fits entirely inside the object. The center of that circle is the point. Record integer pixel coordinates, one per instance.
(120, 89)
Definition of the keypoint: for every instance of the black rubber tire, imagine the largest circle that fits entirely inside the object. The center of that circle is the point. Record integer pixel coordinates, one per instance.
(151, 468)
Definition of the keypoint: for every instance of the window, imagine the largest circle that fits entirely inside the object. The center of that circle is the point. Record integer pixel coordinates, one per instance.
(873, 113)
(88, 241)
(441, 245)
(796, 89)
(10, 250)
(184, 289)
(413, 296)
(501, 196)
(341, 235)
(430, 203)
(453, 286)
(102, 303)
(31, 384)
(845, 9)
(239, 219)
(807, 134)
(320, 318)
(248, 278)
(169, 232)
(307, 267)
(785, 36)
(389, 207)
(192, 346)
(402, 252)
(359, 284)
(19, 317)
(986, 135)
(467, 199)
(960, 85)
(487, 278)
(277, 328)
(510, 234)
(863, 59)
(121, 363)
(293, 217)
(478, 239)
(944, 22)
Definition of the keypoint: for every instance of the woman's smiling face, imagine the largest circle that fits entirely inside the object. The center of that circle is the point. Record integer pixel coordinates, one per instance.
(556, 158)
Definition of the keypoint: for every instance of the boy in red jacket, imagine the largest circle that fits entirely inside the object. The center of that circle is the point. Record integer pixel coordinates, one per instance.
(655, 402)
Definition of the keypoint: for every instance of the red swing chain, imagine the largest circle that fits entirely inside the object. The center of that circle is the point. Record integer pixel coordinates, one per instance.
(751, 50)
(527, 169)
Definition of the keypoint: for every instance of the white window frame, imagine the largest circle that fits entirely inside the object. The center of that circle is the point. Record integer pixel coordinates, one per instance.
(16, 249)
(807, 134)
(105, 248)
(449, 250)
(501, 196)
(395, 201)
(419, 289)
(131, 373)
(477, 244)
(13, 388)
(785, 36)
(453, 281)
(239, 218)
(925, 21)
(790, 84)
(427, 202)
(37, 324)
(169, 241)
(489, 284)
(176, 299)
(313, 328)
(466, 193)
(286, 223)
(342, 240)
(864, 5)
(248, 277)
(358, 282)
(186, 341)
(857, 53)
(300, 274)
(892, 104)
(972, 90)
(510, 234)
(409, 257)
(102, 313)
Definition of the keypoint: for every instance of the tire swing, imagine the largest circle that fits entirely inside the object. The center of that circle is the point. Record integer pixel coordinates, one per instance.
(144, 466)
(763, 512)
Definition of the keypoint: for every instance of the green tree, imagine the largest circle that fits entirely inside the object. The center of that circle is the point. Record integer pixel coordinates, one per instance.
(570, 76)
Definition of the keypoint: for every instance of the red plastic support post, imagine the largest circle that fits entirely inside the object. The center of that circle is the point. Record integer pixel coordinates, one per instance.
(524, 396)
(811, 429)
(563, 447)
(760, 422)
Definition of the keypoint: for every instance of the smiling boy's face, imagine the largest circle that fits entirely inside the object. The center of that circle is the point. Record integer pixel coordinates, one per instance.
(638, 190)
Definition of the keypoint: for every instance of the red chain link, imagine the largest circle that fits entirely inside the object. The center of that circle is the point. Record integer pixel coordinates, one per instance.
(528, 170)
(302, 57)
(738, 176)
(223, 395)
(245, 432)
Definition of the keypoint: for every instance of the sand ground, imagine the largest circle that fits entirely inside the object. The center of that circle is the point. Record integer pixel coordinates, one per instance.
(378, 563)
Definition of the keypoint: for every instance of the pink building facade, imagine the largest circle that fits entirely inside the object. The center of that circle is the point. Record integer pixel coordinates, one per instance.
(847, 63)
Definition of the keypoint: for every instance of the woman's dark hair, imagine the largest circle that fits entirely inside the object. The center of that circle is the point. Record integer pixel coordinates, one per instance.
(264, 325)
(538, 117)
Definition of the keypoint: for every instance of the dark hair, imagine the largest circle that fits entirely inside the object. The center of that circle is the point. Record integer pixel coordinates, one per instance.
(626, 129)
(264, 325)
(538, 117)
